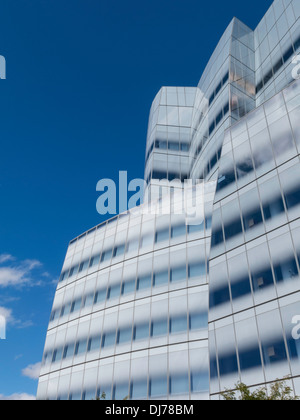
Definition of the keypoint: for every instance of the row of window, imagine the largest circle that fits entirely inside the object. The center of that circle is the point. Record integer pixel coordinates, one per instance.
(156, 387)
(251, 162)
(174, 146)
(275, 69)
(170, 176)
(130, 286)
(272, 353)
(157, 328)
(185, 147)
(255, 217)
(212, 162)
(122, 249)
(212, 126)
(101, 226)
(218, 88)
(283, 271)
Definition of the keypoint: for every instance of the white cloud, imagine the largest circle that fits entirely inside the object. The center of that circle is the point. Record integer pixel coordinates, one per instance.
(17, 397)
(6, 257)
(16, 274)
(32, 371)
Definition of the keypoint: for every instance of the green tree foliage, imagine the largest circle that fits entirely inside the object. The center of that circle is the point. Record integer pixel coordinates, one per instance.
(279, 391)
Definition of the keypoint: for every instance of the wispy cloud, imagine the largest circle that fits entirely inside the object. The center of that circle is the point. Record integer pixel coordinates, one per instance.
(6, 257)
(17, 397)
(32, 371)
(15, 273)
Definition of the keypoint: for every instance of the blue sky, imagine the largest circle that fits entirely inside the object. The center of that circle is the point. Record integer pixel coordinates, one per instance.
(81, 76)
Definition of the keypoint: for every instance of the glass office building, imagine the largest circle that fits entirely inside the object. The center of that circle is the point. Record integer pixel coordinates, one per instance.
(160, 306)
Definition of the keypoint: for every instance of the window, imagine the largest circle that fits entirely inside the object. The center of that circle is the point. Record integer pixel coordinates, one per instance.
(120, 391)
(228, 364)
(178, 274)
(218, 88)
(68, 351)
(199, 381)
(160, 279)
(63, 276)
(106, 388)
(241, 287)
(106, 255)
(83, 266)
(217, 237)
(219, 296)
(133, 245)
(274, 352)
(75, 396)
(177, 231)
(94, 343)
(162, 235)
(124, 336)
(141, 332)
(195, 228)
(159, 327)
(128, 287)
(225, 179)
(262, 279)
(252, 219)
(286, 270)
(197, 270)
(57, 355)
(144, 282)
(113, 292)
(198, 321)
(178, 324)
(76, 305)
(179, 384)
(292, 198)
(273, 208)
(108, 340)
(88, 300)
(80, 347)
(55, 315)
(119, 250)
(161, 144)
(250, 359)
(73, 271)
(225, 79)
(232, 229)
(138, 389)
(88, 395)
(172, 145)
(158, 387)
(65, 310)
(184, 147)
(100, 296)
(95, 260)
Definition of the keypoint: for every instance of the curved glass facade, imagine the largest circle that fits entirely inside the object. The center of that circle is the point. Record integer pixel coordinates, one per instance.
(130, 315)
(158, 306)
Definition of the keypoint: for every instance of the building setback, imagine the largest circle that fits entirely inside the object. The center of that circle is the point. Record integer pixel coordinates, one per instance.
(153, 306)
